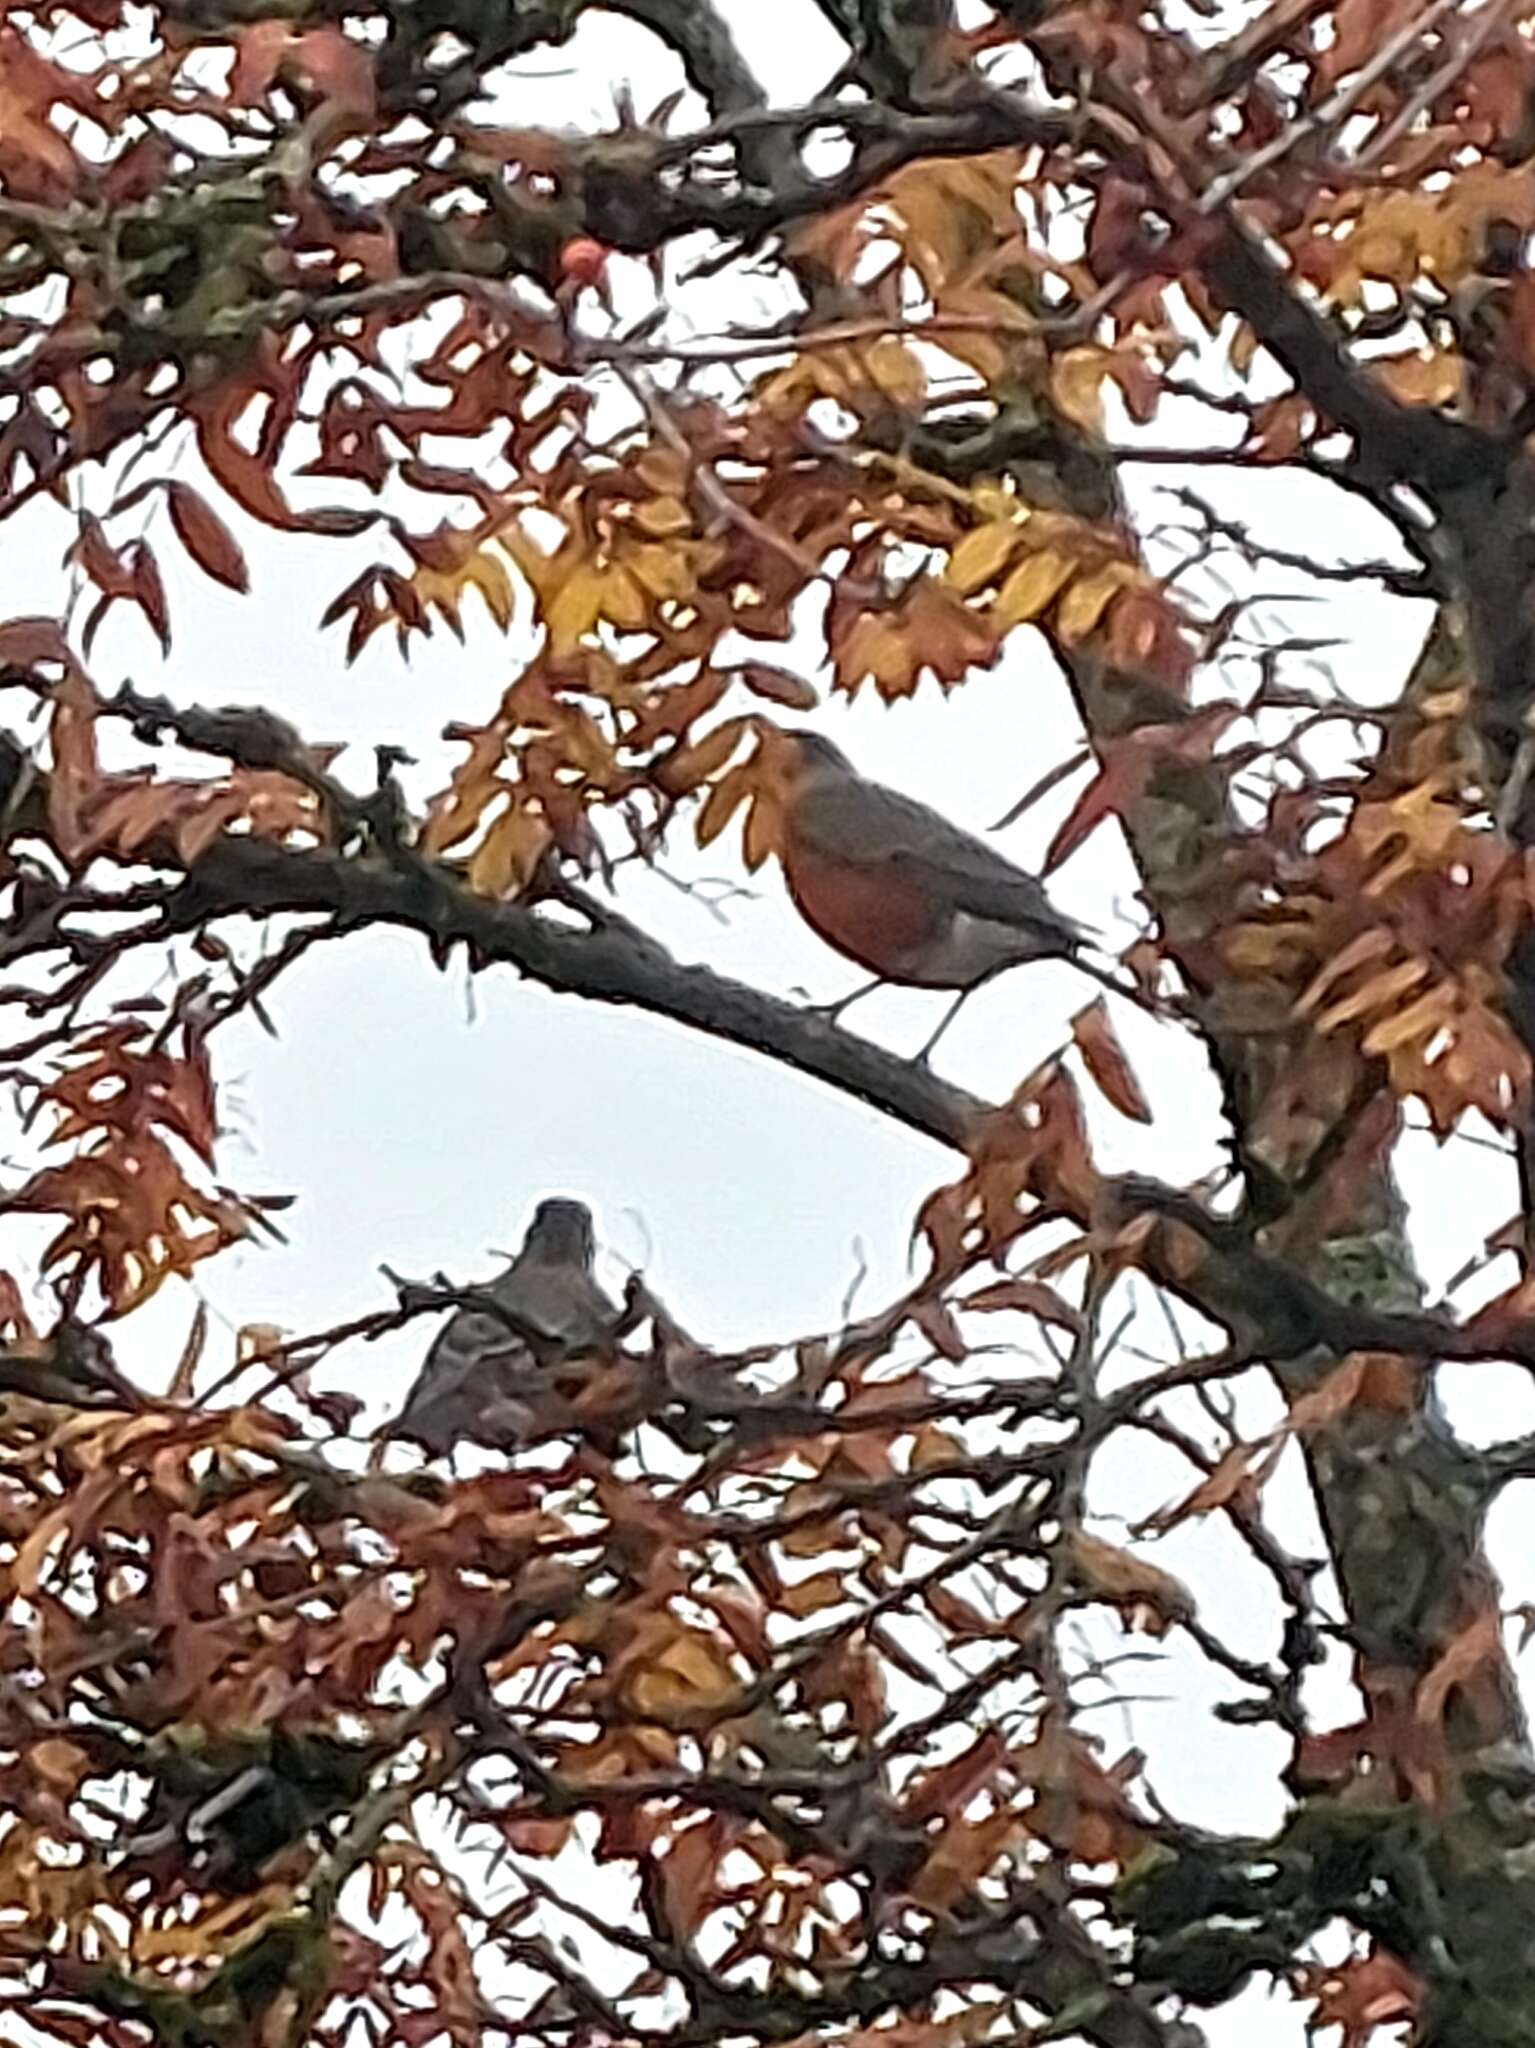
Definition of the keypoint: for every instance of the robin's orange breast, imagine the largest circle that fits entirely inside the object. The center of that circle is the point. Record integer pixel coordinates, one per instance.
(885, 925)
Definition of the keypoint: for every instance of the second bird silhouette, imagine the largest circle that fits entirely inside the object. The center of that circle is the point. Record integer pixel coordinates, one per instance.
(479, 1370)
(894, 886)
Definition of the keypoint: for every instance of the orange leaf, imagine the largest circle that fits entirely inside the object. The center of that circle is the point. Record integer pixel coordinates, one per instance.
(811, 1595)
(686, 767)
(1359, 1995)
(1236, 1477)
(722, 802)
(1471, 1662)
(76, 776)
(764, 831)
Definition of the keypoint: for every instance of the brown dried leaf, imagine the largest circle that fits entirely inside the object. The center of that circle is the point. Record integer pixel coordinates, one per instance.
(1146, 1597)
(206, 538)
(1028, 1297)
(940, 1329)
(1104, 1058)
(778, 685)
(685, 768)
(722, 802)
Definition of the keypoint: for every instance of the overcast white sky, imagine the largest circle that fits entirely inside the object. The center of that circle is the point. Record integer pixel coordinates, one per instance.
(417, 1117)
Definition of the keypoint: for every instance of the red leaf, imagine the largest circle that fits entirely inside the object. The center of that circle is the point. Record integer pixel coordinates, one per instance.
(1104, 1058)
(95, 554)
(206, 538)
(149, 591)
(1118, 783)
(27, 642)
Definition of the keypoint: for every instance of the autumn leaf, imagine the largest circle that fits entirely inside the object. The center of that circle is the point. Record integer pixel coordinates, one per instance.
(206, 538)
(1360, 1995)
(1235, 1480)
(1027, 592)
(777, 685)
(1026, 1297)
(1147, 1597)
(982, 555)
(685, 768)
(1104, 1058)
(677, 1674)
(1082, 605)
(723, 801)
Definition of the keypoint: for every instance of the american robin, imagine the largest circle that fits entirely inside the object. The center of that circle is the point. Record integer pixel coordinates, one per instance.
(896, 887)
(479, 1372)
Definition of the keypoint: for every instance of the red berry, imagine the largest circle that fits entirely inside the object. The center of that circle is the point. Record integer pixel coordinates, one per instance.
(583, 259)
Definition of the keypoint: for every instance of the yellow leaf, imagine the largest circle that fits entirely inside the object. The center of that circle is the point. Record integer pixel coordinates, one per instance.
(545, 572)
(669, 572)
(1419, 1021)
(1085, 603)
(663, 516)
(574, 608)
(1244, 348)
(488, 576)
(892, 366)
(982, 555)
(1417, 379)
(1370, 945)
(993, 501)
(1030, 587)
(877, 646)
(690, 1674)
(1076, 384)
(504, 864)
(664, 470)
(623, 602)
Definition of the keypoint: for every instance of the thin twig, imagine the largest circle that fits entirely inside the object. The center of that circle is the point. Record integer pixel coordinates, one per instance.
(732, 513)
(1439, 82)
(1332, 110)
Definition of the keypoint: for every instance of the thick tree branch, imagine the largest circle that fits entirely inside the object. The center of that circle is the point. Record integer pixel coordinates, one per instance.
(611, 963)
(1277, 1312)
(1400, 444)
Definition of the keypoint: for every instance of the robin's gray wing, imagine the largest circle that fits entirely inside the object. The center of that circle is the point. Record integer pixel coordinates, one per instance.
(477, 1363)
(864, 822)
(472, 1362)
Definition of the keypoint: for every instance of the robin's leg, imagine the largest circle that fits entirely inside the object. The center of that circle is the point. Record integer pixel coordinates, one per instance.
(832, 1011)
(924, 1057)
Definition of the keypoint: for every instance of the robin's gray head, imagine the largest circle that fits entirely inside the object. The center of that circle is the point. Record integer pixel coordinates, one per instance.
(562, 1230)
(816, 751)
